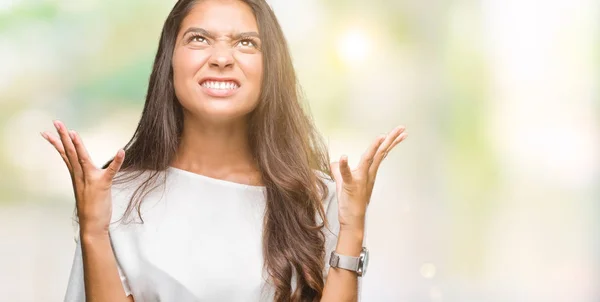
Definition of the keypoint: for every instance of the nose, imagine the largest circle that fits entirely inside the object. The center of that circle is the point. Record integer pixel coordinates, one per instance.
(221, 58)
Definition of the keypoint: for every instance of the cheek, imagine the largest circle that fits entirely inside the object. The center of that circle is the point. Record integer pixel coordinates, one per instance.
(186, 64)
(252, 67)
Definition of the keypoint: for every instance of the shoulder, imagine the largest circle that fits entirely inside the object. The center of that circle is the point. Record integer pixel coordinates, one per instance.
(130, 185)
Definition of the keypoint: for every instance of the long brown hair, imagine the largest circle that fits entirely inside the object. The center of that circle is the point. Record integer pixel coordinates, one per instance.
(283, 140)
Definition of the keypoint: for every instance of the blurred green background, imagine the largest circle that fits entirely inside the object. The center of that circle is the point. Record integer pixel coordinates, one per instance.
(493, 197)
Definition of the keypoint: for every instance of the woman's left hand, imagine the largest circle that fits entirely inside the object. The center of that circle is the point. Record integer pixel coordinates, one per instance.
(354, 187)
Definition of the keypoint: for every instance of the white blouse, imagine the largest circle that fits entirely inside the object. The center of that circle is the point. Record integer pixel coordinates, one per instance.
(201, 240)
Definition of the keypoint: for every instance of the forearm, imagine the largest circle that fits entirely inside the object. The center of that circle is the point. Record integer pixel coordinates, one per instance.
(101, 276)
(342, 285)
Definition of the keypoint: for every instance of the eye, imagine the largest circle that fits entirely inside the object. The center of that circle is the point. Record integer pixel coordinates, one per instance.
(197, 38)
(247, 43)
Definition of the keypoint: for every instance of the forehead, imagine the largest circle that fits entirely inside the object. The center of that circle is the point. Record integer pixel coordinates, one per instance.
(221, 16)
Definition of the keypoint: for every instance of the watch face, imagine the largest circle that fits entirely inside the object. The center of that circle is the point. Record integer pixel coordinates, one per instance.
(364, 263)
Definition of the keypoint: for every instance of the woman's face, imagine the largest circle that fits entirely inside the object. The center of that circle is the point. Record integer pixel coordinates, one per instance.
(217, 62)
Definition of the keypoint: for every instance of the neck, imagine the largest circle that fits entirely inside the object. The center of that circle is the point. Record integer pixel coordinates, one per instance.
(220, 151)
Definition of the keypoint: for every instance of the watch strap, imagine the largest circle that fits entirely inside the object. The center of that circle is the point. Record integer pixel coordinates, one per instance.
(342, 261)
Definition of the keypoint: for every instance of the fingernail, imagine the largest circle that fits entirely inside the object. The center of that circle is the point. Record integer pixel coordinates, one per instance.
(57, 125)
(72, 134)
(44, 135)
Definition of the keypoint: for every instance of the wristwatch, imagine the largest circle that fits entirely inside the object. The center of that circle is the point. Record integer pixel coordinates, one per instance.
(355, 264)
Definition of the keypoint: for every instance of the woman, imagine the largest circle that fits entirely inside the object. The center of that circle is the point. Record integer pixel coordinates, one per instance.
(225, 191)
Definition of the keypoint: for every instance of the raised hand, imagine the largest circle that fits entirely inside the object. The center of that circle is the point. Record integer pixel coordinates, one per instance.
(354, 187)
(92, 186)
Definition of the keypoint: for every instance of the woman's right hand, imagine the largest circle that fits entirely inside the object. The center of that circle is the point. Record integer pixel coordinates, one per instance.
(92, 186)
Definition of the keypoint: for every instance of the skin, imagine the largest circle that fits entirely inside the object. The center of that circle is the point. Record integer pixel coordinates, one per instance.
(354, 188)
(214, 143)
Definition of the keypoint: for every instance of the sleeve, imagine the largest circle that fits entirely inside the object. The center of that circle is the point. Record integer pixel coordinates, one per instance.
(332, 230)
(75, 286)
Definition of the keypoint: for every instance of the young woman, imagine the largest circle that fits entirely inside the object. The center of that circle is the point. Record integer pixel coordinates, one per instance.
(225, 191)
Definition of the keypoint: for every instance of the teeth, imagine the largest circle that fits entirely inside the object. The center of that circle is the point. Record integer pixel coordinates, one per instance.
(220, 85)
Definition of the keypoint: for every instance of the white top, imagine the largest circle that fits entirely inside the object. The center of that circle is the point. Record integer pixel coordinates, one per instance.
(201, 240)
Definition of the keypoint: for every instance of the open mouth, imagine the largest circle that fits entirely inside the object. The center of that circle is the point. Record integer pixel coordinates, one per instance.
(219, 88)
(221, 85)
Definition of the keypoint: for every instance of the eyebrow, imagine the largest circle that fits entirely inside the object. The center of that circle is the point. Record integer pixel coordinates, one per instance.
(210, 35)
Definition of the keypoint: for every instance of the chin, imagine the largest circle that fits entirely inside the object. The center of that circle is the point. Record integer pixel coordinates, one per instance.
(222, 110)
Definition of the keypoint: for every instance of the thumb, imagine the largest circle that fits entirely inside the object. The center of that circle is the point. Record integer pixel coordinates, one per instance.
(342, 171)
(115, 165)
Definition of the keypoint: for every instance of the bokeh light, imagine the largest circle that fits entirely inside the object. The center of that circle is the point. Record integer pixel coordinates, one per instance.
(493, 197)
(353, 46)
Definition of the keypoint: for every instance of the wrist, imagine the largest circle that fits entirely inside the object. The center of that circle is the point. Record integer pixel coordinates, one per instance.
(92, 234)
(350, 242)
(357, 227)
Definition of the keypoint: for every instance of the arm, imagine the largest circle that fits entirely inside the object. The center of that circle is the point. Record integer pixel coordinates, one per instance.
(353, 192)
(101, 276)
(95, 273)
(341, 284)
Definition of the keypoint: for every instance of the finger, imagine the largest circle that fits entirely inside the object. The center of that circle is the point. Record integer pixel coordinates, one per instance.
(115, 165)
(385, 147)
(54, 141)
(398, 140)
(67, 143)
(391, 138)
(345, 169)
(367, 158)
(82, 155)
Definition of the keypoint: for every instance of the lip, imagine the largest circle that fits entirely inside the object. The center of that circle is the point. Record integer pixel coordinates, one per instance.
(219, 92)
